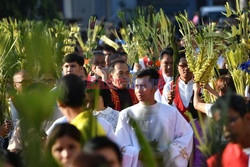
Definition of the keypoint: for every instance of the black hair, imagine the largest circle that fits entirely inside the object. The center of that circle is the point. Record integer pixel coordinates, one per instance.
(182, 55)
(101, 143)
(61, 130)
(113, 58)
(98, 53)
(71, 91)
(73, 57)
(151, 72)
(88, 160)
(123, 54)
(112, 67)
(168, 51)
(225, 83)
(11, 158)
(104, 92)
(233, 101)
(109, 49)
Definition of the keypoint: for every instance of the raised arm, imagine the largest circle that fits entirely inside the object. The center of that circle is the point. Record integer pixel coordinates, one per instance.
(198, 104)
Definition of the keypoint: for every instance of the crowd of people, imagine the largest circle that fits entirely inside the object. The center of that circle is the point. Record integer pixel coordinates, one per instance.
(90, 129)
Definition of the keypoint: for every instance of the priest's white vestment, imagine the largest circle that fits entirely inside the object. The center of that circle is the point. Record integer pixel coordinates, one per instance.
(161, 124)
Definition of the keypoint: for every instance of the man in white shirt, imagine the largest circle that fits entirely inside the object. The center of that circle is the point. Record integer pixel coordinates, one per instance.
(161, 124)
(106, 126)
(72, 64)
(77, 89)
(165, 72)
(180, 95)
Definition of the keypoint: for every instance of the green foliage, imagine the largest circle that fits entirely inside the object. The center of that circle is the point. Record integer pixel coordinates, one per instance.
(36, 46)
(42, 44)
(212, 139)
(238, 46)
(148, 34)
(34, 106)
(233, 44)
(146, 152)
(94, 32)
(202, 47)
(39, 47)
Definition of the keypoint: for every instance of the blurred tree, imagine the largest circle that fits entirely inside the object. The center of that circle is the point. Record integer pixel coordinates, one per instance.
(31, 9)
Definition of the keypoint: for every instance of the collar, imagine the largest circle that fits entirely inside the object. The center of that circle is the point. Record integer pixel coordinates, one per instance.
(106, 111)
(166, 78)
(148, 106)
(246, 151)
(189, 82)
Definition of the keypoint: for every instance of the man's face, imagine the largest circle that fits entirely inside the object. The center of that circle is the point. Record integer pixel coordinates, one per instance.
(107, 54)
(72, 68)
(99, 61)
(21, 81)
(120, 75)
(237, 126)
(183, 70)
(144, 89)
(167, 65)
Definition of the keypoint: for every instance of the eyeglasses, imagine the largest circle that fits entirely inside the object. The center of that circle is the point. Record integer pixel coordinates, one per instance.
(233, 119)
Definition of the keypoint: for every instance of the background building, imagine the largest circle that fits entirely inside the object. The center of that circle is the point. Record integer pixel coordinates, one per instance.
(81, 10)
(104, 9)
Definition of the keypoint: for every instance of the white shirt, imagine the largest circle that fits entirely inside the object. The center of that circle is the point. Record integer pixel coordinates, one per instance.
(110, 115)
(54, 116)
(247, 94)
(58, 121)
(14, 113)
(208, 109)
(157, 95)
(106, 126)
(185, 90)
(160, 123)
(166, 78)
(247, 152)
(221, 61)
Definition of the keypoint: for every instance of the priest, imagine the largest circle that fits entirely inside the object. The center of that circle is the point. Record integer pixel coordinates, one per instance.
(121, 94)
(161, 124)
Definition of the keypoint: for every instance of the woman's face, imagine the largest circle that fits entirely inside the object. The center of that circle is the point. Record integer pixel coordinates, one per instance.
(64, 149)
